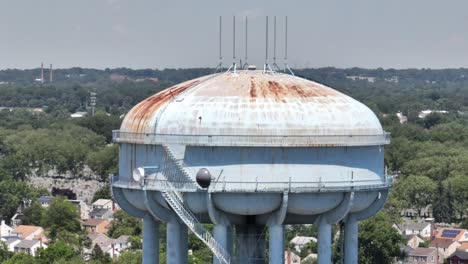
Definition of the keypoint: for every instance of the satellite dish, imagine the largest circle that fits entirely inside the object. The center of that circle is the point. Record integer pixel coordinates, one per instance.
(138, 173)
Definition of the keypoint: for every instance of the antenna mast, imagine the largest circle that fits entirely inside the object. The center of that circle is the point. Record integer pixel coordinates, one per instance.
(274, 46)
(220, 64)
(286, 66)
(246, 64)
(50, 74)
(266, 66)
(42, 72)
(234, 65)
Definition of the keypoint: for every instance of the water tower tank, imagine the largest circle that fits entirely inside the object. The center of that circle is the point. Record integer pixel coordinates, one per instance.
(269, 150)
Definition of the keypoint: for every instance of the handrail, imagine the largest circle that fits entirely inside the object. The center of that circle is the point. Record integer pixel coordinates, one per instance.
(264, 186)
(252, 140)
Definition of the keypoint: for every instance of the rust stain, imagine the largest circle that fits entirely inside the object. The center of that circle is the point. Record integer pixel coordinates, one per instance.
(252, 91)
(140, 114)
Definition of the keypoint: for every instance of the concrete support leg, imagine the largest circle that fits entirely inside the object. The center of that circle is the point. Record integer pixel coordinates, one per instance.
(177, 243)
(230, 240)
(220, 234)
(324, 242)
(150, 240)
(276, 241)
(351, 240)
(250, 244)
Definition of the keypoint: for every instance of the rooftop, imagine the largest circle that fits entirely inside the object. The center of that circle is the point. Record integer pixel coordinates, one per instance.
(422, 252)
(252, 108)
(27, 243)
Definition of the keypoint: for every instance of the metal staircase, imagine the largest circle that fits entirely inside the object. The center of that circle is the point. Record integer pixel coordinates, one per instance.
(174, 174)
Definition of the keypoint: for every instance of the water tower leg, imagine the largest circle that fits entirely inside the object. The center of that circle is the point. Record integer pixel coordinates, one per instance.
(324, 241)
(177, 245)
(276, 244)
(150, 240)
(351, 240)
(250, 244)
(220, 233)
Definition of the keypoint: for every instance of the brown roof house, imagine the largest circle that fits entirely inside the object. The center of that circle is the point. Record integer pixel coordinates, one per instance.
(30, 232)
(97, 226)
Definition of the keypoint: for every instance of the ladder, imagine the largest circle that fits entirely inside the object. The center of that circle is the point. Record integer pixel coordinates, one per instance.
(175, 200)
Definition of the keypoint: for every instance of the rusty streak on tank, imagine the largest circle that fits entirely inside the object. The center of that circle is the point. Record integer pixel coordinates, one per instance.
(141, 114)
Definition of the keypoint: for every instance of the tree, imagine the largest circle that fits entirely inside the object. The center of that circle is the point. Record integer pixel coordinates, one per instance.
(103, 193)
(4, 253)
(379, 242)
(130, 257)
(32, 215)
(124, 224)
(416, 191)
(104, 162)
(20, 258)
(98, 256)
(440, 206)
(61, 216)
(55, 252)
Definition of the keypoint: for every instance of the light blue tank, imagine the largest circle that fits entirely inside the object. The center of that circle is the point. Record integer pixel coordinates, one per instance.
(280, 149)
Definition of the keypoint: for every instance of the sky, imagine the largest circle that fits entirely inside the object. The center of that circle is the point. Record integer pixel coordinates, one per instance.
(181, 34)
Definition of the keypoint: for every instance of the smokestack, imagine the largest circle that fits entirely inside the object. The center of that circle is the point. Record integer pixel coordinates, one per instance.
(51, 75)
(42, 72)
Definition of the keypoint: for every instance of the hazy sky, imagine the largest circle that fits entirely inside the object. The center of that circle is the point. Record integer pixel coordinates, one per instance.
(174, 33)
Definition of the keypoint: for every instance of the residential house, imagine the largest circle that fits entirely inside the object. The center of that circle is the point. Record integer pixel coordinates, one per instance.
(103, 203)
(97, 226)
(121, 243)
(82, 207)
(291, 258)
(411, 228)
(422, 256)
(445, 247)
(414, 241)
(101, 213)
(458, 257)
(11, 242)
(29, 232)
(5, 230)
(29, 246)
(110, 246)
(301, 241)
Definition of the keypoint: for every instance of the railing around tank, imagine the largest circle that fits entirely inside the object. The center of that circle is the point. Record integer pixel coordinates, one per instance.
(252, 140)
(159, 183)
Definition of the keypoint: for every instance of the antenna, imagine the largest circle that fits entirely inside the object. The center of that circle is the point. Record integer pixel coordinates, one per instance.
(234, 65)
(50, 74)
(266, 67)
(274, 46)
(220, 64)
(246, 64)
(286, 67)
(42, 72)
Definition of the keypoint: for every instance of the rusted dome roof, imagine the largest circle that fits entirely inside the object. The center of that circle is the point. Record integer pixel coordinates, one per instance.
(251, 103)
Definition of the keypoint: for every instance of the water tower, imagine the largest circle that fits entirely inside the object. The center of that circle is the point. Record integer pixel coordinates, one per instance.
(268, 150)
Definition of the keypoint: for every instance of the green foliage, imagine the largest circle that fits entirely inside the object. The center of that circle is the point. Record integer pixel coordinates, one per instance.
(103, 193)
(12, 195)
(104, 161)
(416, 191)
(33, 214)
(62, 219)
(124, 224)
(4, 253)
(379, 242)
(20, 258)
(130, 257)
(58, 251)
(97, 256)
